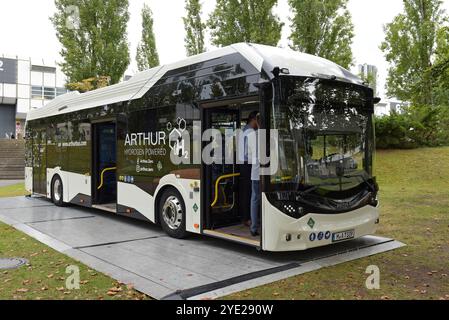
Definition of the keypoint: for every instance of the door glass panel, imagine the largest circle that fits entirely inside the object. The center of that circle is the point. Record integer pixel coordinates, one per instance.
(223, 167)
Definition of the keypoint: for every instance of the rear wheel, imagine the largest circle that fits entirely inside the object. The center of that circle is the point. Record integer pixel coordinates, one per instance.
(172, 214)
(57, 191)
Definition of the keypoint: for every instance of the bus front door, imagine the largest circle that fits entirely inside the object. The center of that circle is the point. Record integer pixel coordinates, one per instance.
(105, 165)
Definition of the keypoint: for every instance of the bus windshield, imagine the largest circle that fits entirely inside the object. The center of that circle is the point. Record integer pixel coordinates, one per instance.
(326, 136)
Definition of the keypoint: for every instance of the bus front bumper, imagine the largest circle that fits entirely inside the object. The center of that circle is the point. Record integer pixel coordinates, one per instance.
(283, 233)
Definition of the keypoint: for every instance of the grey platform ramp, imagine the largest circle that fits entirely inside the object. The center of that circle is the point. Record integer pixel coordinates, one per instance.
(139, 253)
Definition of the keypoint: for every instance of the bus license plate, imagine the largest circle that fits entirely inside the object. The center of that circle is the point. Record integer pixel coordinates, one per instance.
(341, 236)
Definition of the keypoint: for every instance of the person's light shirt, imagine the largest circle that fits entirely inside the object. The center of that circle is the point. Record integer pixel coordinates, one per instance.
(253, 154)
(243, 144)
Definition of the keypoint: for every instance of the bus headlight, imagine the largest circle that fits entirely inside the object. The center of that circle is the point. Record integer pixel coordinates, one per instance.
(291, 209)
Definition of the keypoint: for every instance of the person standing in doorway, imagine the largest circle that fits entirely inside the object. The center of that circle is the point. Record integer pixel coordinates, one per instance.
(253, 139)
(245, 170)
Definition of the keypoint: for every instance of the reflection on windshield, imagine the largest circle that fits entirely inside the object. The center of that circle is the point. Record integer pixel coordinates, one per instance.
(325, 135)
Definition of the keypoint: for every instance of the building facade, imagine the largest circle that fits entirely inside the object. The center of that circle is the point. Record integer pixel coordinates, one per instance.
(386, 107)
(25, 84)
(369, 72)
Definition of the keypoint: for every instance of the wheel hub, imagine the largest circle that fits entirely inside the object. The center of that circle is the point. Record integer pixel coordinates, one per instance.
(172, 213)
(57, 190)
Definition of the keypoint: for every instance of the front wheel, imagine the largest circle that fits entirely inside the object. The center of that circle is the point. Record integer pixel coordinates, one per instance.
(172, 214)
(57, 191)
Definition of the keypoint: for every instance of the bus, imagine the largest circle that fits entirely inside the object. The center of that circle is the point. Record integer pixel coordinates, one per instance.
(112, 148)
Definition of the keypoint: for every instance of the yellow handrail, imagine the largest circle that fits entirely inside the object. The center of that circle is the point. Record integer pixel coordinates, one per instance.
(102, 176)
(228, 176)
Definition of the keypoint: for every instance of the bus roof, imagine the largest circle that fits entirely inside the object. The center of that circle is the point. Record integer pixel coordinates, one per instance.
(262, 57)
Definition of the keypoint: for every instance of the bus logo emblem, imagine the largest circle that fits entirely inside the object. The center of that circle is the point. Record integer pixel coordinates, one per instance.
(195, 208)
(311, 223)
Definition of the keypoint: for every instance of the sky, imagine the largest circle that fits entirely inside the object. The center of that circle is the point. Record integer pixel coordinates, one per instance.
(25, 29)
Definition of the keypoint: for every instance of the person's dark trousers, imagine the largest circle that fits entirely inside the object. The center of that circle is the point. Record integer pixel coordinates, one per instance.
(245, 192)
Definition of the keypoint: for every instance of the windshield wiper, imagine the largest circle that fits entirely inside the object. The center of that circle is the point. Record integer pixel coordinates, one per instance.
(313, 188)
(370, 186)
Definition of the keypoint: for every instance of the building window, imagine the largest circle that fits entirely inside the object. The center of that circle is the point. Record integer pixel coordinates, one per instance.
(43, 69)
(36, 92)
(61, 91)
(43, 93)
(49, 93)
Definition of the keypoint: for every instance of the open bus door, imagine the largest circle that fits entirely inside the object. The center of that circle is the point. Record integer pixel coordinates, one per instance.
(104, 166)
(222, 213)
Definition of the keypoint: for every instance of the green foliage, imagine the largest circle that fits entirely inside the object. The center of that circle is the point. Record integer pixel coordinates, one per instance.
(409, 46)
(93, 38)
(323, 28)
(418, 126)
(235, 21)
(147, 56)
(194, 40)
(371, 80)
(440, 69)
(89, 84)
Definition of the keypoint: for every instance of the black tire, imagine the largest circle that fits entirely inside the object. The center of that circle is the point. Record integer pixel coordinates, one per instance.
(57, 191)
(172, 214)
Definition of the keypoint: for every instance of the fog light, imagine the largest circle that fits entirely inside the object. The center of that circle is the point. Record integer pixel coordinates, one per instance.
(288, 237)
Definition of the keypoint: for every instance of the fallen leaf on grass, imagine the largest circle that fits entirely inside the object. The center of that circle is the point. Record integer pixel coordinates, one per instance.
(51, 275)
(385, 298)
(22, 290)
(60, 289)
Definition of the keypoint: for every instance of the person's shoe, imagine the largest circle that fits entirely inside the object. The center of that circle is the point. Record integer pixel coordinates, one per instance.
(255, 234)
(247, 223)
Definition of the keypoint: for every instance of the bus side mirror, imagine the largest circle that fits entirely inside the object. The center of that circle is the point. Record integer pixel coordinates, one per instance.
(376, 100)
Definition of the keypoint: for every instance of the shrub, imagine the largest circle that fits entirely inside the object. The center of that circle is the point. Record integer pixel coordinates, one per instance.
(414, 127)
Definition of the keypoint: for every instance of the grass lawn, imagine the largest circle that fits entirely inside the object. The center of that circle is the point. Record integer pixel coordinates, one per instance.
(45, 277)
(13, 191)
(415, 210)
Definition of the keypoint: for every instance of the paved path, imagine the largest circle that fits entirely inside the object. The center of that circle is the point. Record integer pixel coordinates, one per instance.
(139, 253)
(5, 183)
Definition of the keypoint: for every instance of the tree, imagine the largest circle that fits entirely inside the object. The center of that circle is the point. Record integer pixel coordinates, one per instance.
(93, 38)
(409, 46)
(369, 75)
(147, 56)
(235, 21)
(440, 69)
(323, 28)
(194, 40)
(89, 84)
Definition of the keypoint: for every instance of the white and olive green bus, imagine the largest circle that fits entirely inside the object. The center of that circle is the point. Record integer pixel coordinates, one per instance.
(110, 148)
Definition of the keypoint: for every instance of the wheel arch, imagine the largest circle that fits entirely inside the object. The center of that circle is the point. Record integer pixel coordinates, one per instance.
(51, 174)
(158, 197)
